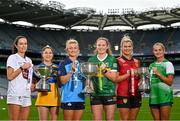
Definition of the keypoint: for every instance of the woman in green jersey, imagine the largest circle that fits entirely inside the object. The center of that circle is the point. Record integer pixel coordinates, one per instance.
(161, 75)
(103, 98)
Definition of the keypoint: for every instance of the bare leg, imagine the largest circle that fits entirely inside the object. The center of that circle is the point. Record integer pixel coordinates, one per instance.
(14, 111)
(77, 115)
(165, 112)
(43, 113)
(109, 111)
(97, 112)
(124, 113)
(68, 114)
(133, 113)
(155, 113)
(24, 114)
(54, 112)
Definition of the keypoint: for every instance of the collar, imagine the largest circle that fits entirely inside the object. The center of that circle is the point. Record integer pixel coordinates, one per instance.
(126, 58)
(103, 58)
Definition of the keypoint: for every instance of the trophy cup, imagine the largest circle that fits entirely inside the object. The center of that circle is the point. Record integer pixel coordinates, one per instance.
(43, 72)
(144, 84)
(89, 70)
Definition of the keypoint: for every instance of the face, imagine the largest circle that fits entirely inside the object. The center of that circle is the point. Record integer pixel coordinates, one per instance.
(73, 50)
(22, 45)
(127, 48)
(47, 55)
(101, 46)
(158, 51)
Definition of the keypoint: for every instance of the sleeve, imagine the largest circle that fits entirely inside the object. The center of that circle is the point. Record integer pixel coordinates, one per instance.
(118, 66)
(114, 64)
(62, 70)
(169, 68)
(11, 62)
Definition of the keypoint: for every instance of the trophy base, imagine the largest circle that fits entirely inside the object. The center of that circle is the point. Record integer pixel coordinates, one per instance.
(87, 91)
(144, 90)
(45, 89)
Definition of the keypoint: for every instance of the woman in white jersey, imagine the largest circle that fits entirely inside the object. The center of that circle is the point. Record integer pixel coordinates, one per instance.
(19, 74)
(161, 75)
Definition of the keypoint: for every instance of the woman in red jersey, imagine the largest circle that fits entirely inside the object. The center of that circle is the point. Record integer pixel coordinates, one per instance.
(128, 97)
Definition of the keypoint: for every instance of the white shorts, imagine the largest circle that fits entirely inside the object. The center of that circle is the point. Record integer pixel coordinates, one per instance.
(19, 100)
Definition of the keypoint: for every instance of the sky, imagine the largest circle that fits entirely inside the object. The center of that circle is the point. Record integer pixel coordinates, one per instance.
(104, 5)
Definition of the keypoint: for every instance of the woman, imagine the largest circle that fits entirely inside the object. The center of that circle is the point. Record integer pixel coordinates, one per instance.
(72, 99)
(49, 102)
(19, 74)
(161, 75)
(103, 98)
(128, 96)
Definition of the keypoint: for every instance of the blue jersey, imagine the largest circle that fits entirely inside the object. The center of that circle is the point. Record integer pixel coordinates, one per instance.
(71, 91)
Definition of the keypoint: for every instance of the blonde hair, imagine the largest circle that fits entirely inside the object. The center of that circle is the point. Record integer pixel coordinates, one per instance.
(71, 41)
(159, 44)
(125, 38)
(109, 51)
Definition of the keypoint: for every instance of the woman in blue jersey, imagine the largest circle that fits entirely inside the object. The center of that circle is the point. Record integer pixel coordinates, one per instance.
(72, 99)
(19, 74)
(161, 75)
(48, 102)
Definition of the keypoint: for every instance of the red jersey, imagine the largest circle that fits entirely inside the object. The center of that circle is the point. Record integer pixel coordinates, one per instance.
(128, 87)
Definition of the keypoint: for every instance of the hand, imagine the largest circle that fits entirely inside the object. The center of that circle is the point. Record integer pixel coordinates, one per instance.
(136, 72)
(26, 66)
(33, 86)
(155, 71)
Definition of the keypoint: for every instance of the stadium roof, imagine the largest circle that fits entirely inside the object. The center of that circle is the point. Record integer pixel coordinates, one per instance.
(39, 14)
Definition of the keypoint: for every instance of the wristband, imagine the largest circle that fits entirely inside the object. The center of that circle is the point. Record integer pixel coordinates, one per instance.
(21, 68)
(105, 71)
(71, 72)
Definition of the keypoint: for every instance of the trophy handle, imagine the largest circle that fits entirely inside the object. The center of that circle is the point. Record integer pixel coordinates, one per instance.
(36, 72)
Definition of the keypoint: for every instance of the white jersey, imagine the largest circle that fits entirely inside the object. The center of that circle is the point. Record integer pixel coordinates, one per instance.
(20, 86)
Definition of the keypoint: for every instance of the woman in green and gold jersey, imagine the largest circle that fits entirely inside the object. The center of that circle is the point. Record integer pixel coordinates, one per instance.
(103, 98)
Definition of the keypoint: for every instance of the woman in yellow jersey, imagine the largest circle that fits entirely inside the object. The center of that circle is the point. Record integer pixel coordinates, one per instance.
(49, 102)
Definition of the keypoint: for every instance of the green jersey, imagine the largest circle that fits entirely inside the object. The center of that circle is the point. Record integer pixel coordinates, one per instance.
(102, 85)
(160, 91)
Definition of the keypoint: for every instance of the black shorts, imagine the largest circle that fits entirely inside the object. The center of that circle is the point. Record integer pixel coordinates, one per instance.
(157, 106)
(128, 102)
(73, 105)
(104, 100)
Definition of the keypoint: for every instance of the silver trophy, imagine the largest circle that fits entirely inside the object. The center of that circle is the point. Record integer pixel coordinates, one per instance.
(144, 84)
(43, 72)
(89, 70)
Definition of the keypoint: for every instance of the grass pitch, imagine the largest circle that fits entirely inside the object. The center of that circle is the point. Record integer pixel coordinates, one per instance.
(144, 113)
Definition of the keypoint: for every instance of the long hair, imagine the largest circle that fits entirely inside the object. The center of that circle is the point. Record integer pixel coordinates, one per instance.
(125, 38)
(109, 51)
(14, 46)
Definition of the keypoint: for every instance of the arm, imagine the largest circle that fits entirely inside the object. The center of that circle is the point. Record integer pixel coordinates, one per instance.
(111, 75)
(66, 78)
(120, 78)
(12, 74)
(166, 79)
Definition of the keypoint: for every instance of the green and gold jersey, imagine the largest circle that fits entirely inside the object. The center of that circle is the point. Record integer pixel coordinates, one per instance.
(102, 85)
(160, 91)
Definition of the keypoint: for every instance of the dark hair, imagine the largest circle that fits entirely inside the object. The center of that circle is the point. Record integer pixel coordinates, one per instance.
(14, 49)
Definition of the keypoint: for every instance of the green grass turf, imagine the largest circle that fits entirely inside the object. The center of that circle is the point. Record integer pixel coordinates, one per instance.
(144, 113)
